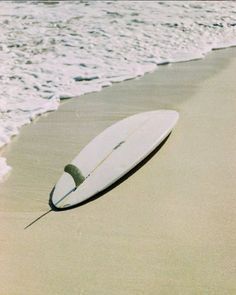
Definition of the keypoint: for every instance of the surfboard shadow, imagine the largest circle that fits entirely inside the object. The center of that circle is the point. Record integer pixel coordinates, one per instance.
(114, 185)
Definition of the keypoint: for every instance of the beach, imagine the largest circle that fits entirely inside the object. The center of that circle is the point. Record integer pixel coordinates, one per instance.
(167, 229)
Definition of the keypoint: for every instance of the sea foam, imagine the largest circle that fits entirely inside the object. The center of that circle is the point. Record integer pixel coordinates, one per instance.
(54, 52)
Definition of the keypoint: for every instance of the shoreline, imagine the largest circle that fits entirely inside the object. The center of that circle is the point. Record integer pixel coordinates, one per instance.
(65, 100)
(167, 229)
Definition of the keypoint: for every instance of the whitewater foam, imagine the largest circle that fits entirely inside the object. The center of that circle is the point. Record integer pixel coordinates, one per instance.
(54, 52)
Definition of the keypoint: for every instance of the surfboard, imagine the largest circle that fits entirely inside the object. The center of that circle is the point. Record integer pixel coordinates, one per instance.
(111, 155)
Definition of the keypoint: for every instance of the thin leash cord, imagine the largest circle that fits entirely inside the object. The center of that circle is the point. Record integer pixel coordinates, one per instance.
(41, 216)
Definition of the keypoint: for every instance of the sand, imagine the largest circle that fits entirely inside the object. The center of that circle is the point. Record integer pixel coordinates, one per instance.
(167, 229)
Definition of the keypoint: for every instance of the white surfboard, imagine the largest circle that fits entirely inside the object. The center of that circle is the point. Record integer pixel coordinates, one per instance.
(111, 155)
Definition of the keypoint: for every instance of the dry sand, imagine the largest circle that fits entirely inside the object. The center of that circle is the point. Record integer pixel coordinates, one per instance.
(167, 229)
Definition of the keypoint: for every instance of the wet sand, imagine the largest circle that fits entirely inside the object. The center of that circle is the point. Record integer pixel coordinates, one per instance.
(167, 229)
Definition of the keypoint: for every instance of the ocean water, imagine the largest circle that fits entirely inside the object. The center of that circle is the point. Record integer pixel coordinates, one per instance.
(50, 52)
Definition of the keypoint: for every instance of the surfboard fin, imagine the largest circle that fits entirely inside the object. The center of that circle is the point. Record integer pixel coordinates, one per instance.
(75, 173)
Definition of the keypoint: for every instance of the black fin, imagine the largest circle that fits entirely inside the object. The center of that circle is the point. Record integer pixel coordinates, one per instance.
(75, 173)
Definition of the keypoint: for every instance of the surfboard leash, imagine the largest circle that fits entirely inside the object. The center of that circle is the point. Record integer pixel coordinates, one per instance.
(41, 216)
